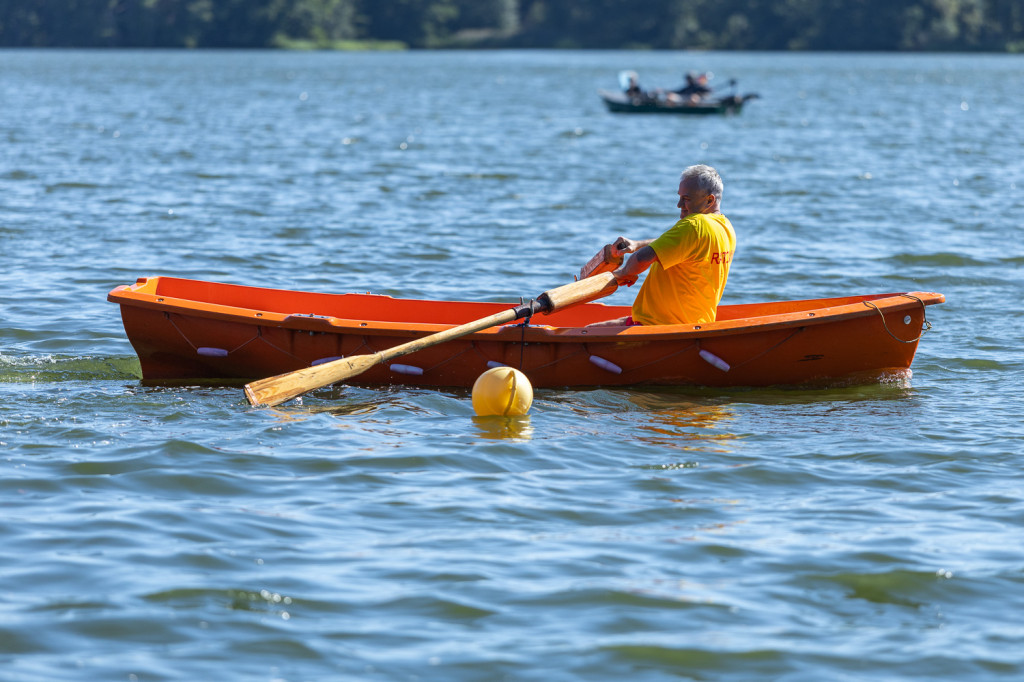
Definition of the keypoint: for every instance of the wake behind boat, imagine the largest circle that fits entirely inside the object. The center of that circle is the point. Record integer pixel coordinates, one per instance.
(190, 329)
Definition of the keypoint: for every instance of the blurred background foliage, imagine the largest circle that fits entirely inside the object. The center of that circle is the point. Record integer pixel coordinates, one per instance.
(889, 25)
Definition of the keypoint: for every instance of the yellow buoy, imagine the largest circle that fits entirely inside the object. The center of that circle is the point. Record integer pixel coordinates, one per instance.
(502, 391)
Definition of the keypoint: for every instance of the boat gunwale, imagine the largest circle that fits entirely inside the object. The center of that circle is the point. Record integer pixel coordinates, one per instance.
(880, 304)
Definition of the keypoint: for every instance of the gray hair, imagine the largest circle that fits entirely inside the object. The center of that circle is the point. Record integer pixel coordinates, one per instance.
(707, 179)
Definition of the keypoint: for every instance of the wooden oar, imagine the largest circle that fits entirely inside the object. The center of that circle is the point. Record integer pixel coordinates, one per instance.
(283, 387)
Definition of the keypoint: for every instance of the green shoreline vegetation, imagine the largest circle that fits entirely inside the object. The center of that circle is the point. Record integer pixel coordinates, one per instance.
(309, 45)
(837, 25)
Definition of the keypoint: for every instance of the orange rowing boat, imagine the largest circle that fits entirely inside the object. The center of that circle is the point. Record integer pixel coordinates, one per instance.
(191, 329)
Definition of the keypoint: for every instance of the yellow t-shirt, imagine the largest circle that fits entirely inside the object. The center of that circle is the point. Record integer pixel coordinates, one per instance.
(686, 283)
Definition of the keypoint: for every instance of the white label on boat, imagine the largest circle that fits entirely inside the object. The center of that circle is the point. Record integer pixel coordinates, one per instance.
(606, 365)
(714, 360)
(212, 352)
(406, 369)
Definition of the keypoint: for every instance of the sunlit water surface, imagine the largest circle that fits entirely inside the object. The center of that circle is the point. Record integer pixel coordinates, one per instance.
(166, 533)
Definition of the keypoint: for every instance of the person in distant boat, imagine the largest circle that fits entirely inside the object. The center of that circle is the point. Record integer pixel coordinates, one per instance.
(689, 263)
(696, 88)
(633, 90)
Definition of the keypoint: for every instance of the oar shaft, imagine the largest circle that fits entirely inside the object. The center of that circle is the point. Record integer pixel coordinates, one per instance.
(283, 387)
(583, 291)
(504, 317)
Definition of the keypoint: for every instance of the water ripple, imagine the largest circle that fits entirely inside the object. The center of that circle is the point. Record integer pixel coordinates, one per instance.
(174, 532)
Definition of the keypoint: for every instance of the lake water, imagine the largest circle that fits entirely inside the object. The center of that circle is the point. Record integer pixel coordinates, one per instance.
(175, 533)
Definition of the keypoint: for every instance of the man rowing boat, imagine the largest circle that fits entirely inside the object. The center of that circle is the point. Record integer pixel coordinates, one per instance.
(689, 263)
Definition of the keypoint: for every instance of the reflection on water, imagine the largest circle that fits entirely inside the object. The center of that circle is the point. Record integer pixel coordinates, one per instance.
(504, 428)
(339, 400)
(673, 422)
(296, 411)
(391, 412)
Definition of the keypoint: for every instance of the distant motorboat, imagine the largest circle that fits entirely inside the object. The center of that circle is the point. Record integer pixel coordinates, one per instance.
(695, 98)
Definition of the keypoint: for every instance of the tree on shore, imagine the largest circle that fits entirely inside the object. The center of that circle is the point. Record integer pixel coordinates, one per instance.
(910, 25)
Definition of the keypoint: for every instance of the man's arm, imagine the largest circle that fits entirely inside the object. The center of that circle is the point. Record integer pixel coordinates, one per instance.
(623, 245)
(636, 264)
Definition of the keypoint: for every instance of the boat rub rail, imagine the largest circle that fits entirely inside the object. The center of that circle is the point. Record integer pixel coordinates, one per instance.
(192, 329)
(148, 292)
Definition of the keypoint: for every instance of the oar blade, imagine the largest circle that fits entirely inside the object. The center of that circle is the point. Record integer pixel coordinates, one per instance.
(283, 387)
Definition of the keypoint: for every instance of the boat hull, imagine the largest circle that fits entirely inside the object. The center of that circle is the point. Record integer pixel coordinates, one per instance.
(187, 329)
(619, 103)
